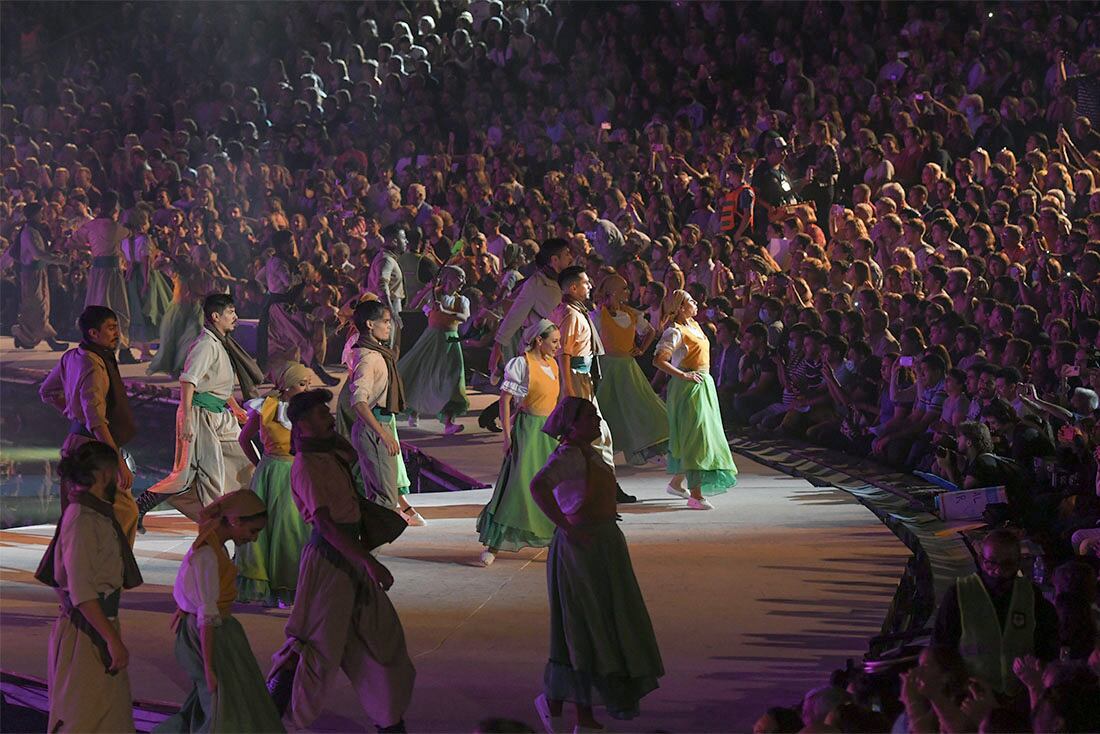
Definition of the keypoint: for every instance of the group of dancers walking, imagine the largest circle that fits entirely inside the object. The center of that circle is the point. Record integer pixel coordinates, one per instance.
(325, 490)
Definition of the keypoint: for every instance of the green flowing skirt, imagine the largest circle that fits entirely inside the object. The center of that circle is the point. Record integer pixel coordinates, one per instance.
(241, 702)
(602, 646)
(434, 375)
(512, 520)
(267, 569)
(181, 325)
(636, 416)
(697, 445)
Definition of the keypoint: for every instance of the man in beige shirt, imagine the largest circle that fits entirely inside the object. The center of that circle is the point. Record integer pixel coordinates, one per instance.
(86, 387)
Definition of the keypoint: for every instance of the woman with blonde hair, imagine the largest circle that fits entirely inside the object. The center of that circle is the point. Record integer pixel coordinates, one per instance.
(268, 568)
(698, 451)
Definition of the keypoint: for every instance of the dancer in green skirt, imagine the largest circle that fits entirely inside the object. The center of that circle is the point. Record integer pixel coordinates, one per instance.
(433, 371)
(512, 520)
(228, 692)
(636, 416)
(269, 567)
(697, 447)
(602, 646)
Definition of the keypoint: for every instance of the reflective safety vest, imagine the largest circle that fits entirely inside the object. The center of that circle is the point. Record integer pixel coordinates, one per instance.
(987, 648)
(730, 212)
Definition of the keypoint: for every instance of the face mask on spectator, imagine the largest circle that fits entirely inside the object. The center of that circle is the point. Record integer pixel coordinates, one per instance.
(849, 365)
(765, 316)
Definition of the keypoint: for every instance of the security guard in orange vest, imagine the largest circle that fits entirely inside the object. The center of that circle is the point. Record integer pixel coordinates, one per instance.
(996, 615)
(736, 211)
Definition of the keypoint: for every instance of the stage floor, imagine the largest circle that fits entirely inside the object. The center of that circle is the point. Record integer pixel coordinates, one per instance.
(752, 603)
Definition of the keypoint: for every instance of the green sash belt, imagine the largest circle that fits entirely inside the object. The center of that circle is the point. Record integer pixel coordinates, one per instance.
(208, 402)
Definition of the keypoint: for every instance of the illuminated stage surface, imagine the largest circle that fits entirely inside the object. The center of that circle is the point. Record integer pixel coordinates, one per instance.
(753, 603)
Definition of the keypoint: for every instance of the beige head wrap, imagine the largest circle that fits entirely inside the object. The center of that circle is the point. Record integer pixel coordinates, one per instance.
(558, 423)
(291, 374)
(607, 285)
(242, 503)
(672, 304)
(536, 330)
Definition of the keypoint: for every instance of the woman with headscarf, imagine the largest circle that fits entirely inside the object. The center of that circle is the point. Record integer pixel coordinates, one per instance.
(698, 451)
(268, 568)
(512, 520)
(636, 416)
(89, 563)
(228, 692)
(602, 646)
(433, 370)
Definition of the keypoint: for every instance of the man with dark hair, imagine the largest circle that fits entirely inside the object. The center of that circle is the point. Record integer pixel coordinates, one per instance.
(757, 384)
(579, 359)
(86, 387)
(386, 279)
(908, 443)
(32, 254)
(343, 619)
(209, 461)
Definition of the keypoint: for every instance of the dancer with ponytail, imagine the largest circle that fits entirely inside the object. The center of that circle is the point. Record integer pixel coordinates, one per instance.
(89, 563)
(433, 371)
(228, 692)
(636, 416)
(269, 566)
(512, 520)
(698, 451)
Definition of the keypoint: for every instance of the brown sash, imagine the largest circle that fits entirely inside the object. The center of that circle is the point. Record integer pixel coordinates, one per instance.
(395, 389)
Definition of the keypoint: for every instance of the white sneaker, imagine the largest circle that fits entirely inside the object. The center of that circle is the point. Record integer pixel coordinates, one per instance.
(414, 518)
(412, 420)
(677, 491)
(487, 558)
(550, 722)
(452, 428)
(702, 504)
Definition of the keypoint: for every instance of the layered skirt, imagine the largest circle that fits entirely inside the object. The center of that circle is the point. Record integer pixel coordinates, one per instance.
(636, 416)
(511, 520)
(602, 646)
(181, 325)
(434, 375)
(268, 568)
(697, 445)
(241, 702)
(148, 308)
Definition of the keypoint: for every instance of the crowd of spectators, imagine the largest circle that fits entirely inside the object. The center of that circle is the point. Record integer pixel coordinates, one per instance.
(890, 211)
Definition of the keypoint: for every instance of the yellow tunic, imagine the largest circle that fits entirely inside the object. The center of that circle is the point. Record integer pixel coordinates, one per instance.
(542, 390)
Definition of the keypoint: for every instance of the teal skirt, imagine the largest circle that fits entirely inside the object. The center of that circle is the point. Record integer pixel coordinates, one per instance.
(512, 520)
(434, 375)
(181, 325)
(241, 702)
(268, 568)
(697, 445)
(602, 646)
(147, 309)
(636, 416)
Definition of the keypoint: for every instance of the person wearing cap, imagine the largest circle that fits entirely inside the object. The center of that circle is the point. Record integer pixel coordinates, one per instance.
(268, 568)
(31, 252)
(343, 619)
(602, 645)
(511, 520)
(433, 370)
(774, 188)
(106, 286)
(228, 691)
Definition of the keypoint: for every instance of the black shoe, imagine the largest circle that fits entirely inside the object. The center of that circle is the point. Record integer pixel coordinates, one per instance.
(57, 345)
(324, 376)
(125, 356)
(622, 497)
(19, 344)
(280, 686)
(489, 423)
(141, 525)
(398, 728)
